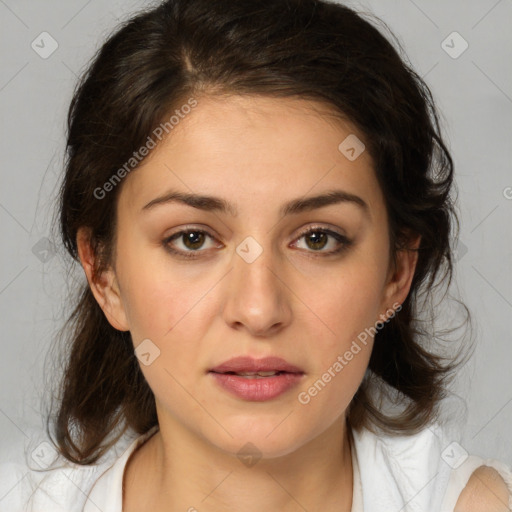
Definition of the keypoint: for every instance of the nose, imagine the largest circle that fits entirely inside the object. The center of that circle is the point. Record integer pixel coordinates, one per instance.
(257, 298)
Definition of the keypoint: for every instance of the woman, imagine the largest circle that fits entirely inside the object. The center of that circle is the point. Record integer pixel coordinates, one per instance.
(260, 198)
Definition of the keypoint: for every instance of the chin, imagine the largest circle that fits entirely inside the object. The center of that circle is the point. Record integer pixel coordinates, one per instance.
(261, 439)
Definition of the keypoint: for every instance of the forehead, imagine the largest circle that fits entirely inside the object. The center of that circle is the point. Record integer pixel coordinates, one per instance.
(254, 146)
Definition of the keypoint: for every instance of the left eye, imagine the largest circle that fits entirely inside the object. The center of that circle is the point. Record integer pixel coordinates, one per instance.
(322, 240)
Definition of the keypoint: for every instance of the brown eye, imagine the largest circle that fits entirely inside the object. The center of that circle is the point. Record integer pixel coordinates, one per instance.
(316, 240)
(189, 242)
(193, 239)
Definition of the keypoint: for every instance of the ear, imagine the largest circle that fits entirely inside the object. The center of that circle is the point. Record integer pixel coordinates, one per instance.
(401, 273)
(104, 285)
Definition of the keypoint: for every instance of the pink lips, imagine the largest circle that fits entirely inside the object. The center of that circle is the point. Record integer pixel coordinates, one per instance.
(248, 364)
(254, 387)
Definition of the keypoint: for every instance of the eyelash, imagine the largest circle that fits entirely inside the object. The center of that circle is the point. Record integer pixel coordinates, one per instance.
(341, 239)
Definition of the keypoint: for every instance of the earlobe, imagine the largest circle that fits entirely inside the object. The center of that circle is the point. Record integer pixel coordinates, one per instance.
(103, 284)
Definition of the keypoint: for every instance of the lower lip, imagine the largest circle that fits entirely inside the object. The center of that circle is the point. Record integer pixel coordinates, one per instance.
(257, 390)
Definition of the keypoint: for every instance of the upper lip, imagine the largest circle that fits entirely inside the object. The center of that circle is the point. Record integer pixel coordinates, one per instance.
(249, 364)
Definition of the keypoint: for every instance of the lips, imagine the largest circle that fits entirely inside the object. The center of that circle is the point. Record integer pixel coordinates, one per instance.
(249, 367)
(256, 380)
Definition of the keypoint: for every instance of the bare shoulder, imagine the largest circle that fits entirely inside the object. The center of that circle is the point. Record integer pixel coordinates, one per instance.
(485, 491)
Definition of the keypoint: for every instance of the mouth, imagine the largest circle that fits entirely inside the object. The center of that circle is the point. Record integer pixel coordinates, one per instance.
(253, 375)
(246, 366)
(256, 380)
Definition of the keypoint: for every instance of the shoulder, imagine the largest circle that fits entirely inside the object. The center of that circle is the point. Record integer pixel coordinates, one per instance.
(486, 491)
(59, 489)
(394, 466)
(37, 478)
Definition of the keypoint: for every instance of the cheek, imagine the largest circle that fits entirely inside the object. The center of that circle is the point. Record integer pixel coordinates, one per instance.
(344, 348)
(346, 340)
(159, 299)
(347, 303)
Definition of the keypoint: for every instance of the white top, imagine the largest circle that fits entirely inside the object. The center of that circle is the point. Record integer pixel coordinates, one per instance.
(419, 473)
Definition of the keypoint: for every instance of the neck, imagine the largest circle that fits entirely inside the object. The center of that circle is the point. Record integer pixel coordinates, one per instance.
(177, 470)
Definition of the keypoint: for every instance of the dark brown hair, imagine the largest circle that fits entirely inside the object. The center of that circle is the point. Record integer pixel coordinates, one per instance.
(308, 49)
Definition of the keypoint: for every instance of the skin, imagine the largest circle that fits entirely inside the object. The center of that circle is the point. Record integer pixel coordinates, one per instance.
(485, 491)
(293, 301)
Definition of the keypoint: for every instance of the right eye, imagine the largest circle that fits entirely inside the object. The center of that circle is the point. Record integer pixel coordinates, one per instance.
(188, 242)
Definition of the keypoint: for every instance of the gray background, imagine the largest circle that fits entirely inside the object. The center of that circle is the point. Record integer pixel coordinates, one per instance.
(473, 91)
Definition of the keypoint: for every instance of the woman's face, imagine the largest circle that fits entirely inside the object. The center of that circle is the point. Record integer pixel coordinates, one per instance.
(248, 280)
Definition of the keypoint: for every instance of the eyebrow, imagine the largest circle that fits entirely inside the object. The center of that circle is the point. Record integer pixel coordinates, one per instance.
(295, 206)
